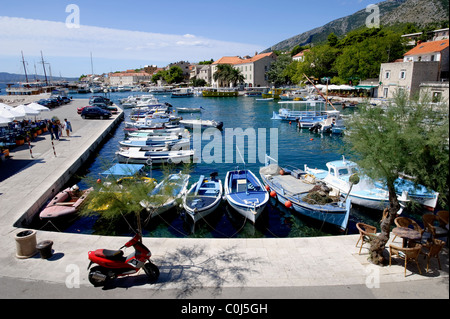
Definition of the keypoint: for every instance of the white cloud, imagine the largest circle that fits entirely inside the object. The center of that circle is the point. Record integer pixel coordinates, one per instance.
(56, 39)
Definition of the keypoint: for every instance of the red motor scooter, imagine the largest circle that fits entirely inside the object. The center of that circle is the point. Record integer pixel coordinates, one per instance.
(113, 264)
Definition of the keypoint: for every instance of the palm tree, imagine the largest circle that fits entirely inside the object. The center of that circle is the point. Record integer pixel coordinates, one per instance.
(226, 74)
(236, 76)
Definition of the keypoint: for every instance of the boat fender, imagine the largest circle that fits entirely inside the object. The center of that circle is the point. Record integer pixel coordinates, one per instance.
(288, 204)
(273, 194)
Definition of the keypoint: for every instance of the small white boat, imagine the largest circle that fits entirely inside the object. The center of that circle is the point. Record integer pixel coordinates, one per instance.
(203, 197)
(245, 193)
(135, 155)
(149, 145)
(202, 123)
(161, 132)
(167, 194)
(265, 100)
(189, 109)
(365, 193)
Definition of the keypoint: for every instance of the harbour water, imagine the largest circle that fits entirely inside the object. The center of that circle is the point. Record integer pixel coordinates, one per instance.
(294, 147)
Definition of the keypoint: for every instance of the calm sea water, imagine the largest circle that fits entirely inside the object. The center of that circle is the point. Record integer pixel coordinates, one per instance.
(295, 147)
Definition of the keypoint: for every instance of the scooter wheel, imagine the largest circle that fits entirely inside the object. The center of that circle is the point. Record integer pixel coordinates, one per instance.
(98, 276)
(152, 272)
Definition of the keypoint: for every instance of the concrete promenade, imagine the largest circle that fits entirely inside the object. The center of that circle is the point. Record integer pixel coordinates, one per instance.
(291, 268)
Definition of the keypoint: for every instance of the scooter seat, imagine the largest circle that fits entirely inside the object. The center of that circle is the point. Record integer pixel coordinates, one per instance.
(109, 254)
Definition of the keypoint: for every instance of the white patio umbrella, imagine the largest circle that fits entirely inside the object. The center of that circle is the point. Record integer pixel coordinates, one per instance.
(12, 114)
(4, 121)
(346, 87)
(28, 111)
(38, 107)
(5, 106)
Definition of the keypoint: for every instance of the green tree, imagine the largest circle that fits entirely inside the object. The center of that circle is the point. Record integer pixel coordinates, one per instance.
(317, 63)
(226, 74)
(174, 75)
(408, 136)
(332, 39)
(276, 73)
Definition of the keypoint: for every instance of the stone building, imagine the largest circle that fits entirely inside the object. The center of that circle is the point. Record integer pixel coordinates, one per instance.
(427, 62)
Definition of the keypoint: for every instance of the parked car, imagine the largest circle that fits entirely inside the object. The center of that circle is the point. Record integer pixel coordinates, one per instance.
(95, 112)
(100, 99)
(112, 109)
(79, 109)
(46, 103)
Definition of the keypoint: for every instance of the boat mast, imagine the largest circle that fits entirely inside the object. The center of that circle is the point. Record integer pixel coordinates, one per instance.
(320, 93)
(43, 65)
(24, 67)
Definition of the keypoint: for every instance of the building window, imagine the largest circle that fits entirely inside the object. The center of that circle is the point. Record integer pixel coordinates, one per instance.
(432, 57)
(403, 74)
(385, 92)
(436, 97)
(387, 74)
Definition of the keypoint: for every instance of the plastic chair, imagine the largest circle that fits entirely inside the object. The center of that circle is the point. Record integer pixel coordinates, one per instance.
(407, 222)
(434, 248)
(429, 223)
(407, 254)
(366, 234)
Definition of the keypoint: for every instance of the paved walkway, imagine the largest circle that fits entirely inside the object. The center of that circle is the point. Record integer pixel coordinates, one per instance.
(313, 267)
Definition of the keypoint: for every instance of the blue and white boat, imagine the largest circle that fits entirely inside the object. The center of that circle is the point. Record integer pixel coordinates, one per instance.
(419, 193)
(147, 144)
(365, 193)
(167, 194)
(245, 193)
(292, 188)
(203, 197)
(306, 118)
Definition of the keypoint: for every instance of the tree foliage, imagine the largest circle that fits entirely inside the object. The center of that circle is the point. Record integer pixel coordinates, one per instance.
(226, 74)
(408, 136)
(357, 55)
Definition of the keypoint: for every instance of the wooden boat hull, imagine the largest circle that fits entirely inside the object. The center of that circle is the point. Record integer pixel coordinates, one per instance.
(205, 202)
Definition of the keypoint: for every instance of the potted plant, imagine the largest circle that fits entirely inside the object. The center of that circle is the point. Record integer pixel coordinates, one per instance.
(20, 139)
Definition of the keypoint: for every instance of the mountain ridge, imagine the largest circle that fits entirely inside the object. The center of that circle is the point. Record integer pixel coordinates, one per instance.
(420, 12)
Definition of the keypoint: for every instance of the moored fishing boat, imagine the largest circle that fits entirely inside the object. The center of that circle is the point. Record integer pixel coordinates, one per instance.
(203, 197)
(294, 190)
(365, 193)
(166, 194)
(157, 145)
(137, 156)
(245, 193)
(202, 123)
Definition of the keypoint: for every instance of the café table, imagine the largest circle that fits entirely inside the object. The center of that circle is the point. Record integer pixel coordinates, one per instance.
(406, 234)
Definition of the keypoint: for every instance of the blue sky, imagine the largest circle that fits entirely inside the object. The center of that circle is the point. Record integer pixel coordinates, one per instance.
(130, 34)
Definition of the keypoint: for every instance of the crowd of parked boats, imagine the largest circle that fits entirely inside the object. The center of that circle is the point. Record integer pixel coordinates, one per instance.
(156, 134)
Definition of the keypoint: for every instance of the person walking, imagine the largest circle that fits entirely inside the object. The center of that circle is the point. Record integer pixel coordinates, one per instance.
(50, 129)
(67, 127)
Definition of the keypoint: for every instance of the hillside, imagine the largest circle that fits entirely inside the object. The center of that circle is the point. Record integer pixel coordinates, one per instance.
(420, 12)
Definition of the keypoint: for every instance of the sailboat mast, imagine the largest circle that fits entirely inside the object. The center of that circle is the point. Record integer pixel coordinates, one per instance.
(43, 65)
(92, 66)
(24, 67)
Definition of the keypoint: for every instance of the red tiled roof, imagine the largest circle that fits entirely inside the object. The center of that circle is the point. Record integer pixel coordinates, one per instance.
(428, 47)
(237, 60)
